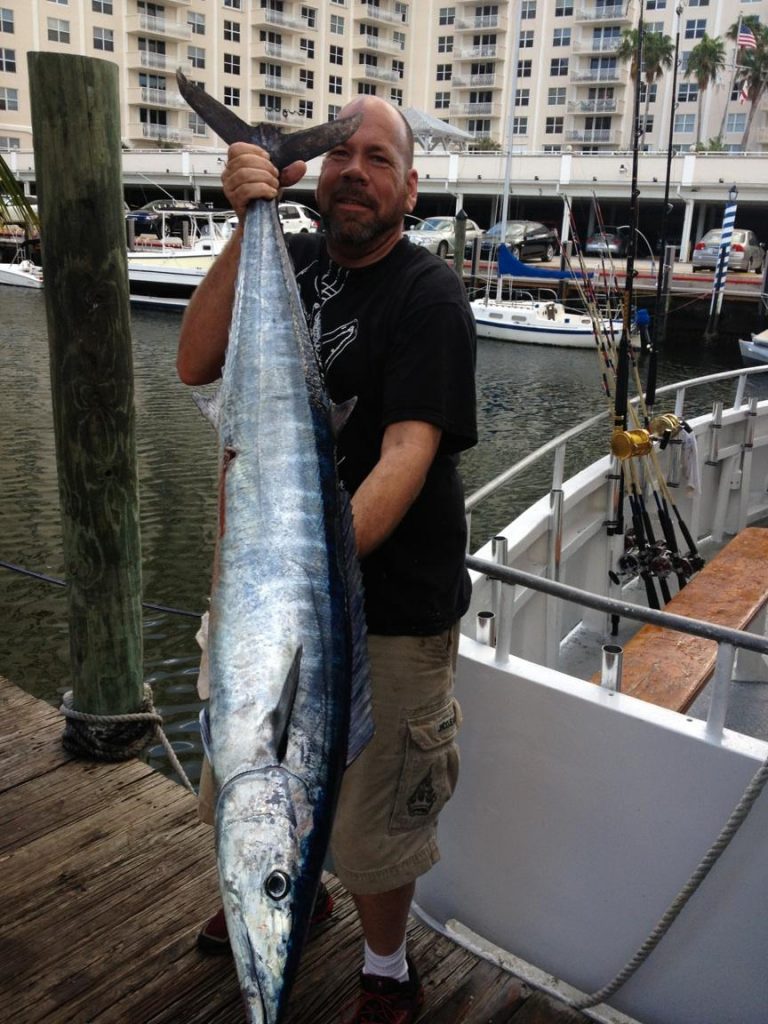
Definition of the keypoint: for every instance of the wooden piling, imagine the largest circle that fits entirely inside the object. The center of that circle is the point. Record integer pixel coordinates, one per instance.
(76, 129)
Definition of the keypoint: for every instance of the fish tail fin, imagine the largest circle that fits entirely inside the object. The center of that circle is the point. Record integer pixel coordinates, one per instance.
(360, 714)
(282, 149)
(209, 405)
(283, 712)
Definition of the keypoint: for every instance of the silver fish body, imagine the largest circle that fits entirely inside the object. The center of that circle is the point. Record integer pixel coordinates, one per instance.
(286, 636)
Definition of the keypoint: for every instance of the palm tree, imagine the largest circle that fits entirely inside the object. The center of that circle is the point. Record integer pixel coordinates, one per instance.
(751, 68)
(705, 61)
(658, 56)
(13, 198)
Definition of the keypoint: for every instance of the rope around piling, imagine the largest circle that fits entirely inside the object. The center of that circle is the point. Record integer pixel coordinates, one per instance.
(117, 737)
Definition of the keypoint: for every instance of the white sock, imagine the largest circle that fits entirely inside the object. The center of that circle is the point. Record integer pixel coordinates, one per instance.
(393, 966)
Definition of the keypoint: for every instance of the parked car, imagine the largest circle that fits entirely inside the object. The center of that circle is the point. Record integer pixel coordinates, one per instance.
(525, 239)
(746, 252)
(149, 219)
(611, 241)
(437, 234)
(297, 219)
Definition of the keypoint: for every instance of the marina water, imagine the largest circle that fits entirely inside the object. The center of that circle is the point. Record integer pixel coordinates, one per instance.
(526, 395)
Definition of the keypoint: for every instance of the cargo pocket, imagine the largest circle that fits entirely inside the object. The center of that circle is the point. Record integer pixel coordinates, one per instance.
(430, 768)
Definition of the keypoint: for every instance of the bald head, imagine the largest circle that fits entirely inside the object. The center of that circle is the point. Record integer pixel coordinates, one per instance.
(391, 119)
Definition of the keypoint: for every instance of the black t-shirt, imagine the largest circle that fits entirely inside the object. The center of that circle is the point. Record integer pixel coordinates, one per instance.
(399, 336)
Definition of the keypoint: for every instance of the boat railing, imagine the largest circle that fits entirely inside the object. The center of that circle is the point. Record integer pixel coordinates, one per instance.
(558, 444)
(495, 629)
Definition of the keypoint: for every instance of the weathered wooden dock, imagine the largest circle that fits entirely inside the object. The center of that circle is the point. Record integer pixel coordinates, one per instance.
(107, 874)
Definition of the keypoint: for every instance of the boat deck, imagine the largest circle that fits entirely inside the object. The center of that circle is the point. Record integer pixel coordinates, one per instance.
(107, 874)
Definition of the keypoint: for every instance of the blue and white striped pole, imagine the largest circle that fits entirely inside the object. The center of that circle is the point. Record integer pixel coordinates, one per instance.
(721, 270)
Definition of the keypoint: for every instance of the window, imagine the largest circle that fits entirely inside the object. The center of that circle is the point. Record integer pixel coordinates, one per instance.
(396, 97)
(196, 124)
(522, 97)
(442, 100)
(401, 10)
(9, 99)
(6, 19)
(698, 3)
(398, 39)
(307, 78)
(553, 126)
(339, 3)
(519, 125)
(231, 31)
(307, 108)
(524, 68)
(564, 10)
(196, 24)
(196, 56)
(398, 67)
(656, 5)
(231, 96)
(526, 39)
(479, 126)
(231, 64)
(63, 3)
(684, 124)
(556, 96)
(446, 16)
(58, 30)
(558, 66)
(366, 89)
(528, 9)
(444, 72)
(336, 55)
(236, 5)
(307, 47)
(648, 92)
(445, 44)
(337, 24)
(736, 123)
(688, 92)
(270, 102)
(333, 111)
(309, 17)
(695, 28)
(561, 37)
(551, 149)
(646, 124)
(334, 85)
(103, 39)
(7, 60)
(9, 142)
(102, 6)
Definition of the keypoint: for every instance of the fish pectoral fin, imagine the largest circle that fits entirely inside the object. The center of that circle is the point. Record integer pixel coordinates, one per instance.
(283, 712)
(340, 414)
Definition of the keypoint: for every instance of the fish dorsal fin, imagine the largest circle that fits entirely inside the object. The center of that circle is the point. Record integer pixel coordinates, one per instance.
(340, 413)
(209, 405)
(360, 712)
(282, 149)
(283, 712)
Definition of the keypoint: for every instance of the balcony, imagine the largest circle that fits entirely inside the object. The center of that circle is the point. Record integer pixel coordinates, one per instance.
(600, 12)
(475, 81)
(613, 75)
(371, 12)
(260, 18)
(280, 84)
(157, 61)
(146, 97)
(604, 106)
(475, 110)
(367, 71)
(158, 132)
(594, 137)
(475, 52)
(481, 23)
(276, 51)
(281, 117)
(377, 44)
(157, 28)
(586, 44)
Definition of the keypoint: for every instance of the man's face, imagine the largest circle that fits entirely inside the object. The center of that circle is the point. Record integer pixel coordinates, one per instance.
(365, 186)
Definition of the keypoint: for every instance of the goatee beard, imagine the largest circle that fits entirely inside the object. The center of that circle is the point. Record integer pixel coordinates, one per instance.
(356, 235)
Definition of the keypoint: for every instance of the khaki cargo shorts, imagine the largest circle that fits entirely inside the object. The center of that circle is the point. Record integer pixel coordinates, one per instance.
(385, 830)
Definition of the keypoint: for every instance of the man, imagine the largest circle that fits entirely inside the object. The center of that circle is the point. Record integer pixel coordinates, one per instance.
(393, 329)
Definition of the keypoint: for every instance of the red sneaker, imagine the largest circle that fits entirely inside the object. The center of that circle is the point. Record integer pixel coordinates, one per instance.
(386, 1001)
(213, 937)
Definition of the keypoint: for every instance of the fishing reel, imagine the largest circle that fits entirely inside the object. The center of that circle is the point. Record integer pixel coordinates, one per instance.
(642, 560)
(631, 444)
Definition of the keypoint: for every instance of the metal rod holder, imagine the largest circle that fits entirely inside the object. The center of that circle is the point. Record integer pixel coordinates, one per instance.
(715, 427)
(486, 628)
(610, 674)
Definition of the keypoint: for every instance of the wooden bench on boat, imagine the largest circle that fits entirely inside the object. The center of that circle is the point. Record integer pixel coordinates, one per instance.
(669, 668)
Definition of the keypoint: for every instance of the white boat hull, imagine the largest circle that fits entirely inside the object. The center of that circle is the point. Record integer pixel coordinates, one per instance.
(755, 351)
(580, 813)
(21, 275)
(538, 323)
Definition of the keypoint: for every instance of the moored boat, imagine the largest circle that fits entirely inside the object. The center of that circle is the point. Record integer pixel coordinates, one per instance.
(755, 351)
(530, 321)
(21, 273)
(602, 843)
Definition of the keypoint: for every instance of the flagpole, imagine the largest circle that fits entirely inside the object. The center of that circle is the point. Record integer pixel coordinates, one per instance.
(733, 77)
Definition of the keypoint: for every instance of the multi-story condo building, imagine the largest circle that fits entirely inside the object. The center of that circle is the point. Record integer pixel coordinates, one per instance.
(544, 74)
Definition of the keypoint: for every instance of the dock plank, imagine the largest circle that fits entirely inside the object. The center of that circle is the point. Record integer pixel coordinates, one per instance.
(108, 874)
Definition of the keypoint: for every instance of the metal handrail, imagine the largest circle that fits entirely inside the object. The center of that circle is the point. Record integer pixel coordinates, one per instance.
(533, 457)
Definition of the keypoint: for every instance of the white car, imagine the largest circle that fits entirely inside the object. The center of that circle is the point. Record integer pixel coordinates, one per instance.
(297, 219)
(436, 234)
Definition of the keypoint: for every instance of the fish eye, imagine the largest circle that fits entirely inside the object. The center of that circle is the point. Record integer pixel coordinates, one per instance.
(277, 885)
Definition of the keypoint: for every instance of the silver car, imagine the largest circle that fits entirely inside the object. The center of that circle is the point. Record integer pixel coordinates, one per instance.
(746, 251)
(437, 233)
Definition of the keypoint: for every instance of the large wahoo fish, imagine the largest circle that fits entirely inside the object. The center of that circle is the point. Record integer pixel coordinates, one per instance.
(286, 645)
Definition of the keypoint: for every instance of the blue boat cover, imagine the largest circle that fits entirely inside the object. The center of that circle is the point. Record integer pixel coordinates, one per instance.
(509, 264)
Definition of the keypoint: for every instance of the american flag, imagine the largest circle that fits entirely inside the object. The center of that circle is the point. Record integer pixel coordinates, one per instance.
(745, 39)
(744, 94)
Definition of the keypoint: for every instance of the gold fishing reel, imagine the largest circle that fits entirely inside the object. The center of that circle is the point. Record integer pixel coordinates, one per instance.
(630, 444)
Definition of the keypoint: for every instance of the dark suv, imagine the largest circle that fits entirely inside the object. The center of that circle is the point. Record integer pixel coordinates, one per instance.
(525, 239)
